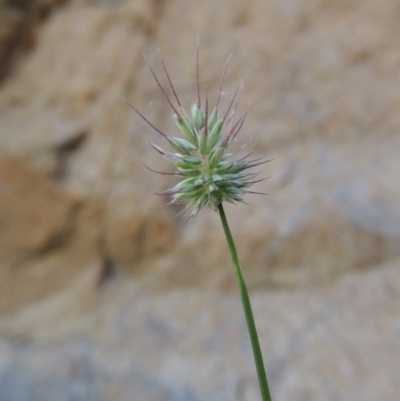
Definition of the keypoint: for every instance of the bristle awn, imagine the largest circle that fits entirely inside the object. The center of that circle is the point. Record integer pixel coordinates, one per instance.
(259, 193)
(240, 125)
(206, 118)
(248, 155)
(255, 182)
(182, 211)
(158, 149)
(253, 175)
(168, 192)
(162, 172)
(222, 81)
(168, 155)
(236, 105)
(251, 165)
(245, 157)
(197, 74)
(184, 224)
(241, 148)
(162, 89)
(160, 207)
(256, 160)
(230, 105)
(233, 129)
(233, 136)
(170, 82)
(247, 176)
(157, 131)
(241, 86)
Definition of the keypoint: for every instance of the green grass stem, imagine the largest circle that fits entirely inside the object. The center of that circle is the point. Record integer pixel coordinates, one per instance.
(262, 377)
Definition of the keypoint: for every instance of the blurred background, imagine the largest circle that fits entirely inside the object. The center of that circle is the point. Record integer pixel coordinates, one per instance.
(102, 300)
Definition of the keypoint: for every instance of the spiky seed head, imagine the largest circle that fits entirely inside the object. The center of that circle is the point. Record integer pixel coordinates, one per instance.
(201, 157)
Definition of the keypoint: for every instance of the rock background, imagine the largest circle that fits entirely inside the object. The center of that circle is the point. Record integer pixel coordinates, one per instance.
(100, 300)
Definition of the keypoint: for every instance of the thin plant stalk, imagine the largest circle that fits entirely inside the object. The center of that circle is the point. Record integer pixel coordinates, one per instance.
(262, 377)
(208, 176)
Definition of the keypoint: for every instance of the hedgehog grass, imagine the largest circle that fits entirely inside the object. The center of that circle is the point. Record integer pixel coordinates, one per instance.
(209, 176)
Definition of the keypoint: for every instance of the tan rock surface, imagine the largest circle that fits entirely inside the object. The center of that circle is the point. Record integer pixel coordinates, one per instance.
(127, 342)
(326, 115)
(19, 23)
(41, 243)
(323, 85)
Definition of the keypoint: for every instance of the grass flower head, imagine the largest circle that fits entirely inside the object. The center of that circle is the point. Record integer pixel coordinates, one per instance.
(202, 156)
